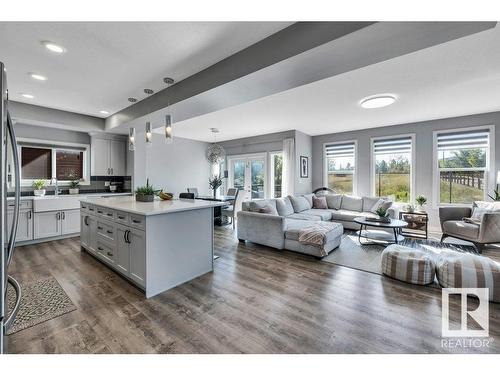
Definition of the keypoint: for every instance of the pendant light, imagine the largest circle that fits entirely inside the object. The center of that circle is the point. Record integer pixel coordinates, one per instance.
(131, 139)
(168, 130)
(149, 134)
(215, 153)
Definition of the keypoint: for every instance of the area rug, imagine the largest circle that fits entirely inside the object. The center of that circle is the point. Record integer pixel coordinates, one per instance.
(368, 257)
(41, 300)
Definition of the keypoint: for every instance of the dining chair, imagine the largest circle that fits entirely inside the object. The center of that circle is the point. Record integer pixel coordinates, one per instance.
(194, 191)
(235, 207)
(231, 192)
(186, 196)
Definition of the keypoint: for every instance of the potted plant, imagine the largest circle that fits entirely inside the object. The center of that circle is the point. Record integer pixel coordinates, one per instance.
(410, 208)
(383, 215)
(73, 187)
(39, 186)
(145, 193)
(215, 182)
(421, 201)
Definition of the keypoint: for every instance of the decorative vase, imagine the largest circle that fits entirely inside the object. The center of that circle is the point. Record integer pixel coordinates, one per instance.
(420, 208)
(215, 193)
(73, 191)
(144, 198)
(39, 192)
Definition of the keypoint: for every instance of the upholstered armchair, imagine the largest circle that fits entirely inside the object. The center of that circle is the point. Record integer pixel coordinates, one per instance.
(485, 232)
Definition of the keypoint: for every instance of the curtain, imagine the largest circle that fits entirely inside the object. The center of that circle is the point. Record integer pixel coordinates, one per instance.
(288, 178)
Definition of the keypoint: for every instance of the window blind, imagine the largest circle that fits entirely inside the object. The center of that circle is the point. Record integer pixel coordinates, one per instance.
(392, 145)
(340, 150)
(464, 139)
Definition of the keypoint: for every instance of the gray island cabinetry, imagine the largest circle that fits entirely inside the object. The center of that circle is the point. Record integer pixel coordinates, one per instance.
(155, 245)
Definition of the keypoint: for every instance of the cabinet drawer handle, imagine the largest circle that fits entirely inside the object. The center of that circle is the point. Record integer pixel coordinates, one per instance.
(110, 254)
(99, 212)
(110, 232)
(136, 221)
(127, 235)
(100, 248)
(100, 228)
(85, 221)
(91, 209)
(109, 214)
(29, 215)
(121, 217)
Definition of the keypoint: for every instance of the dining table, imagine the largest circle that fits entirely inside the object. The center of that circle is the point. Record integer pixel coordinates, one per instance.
(219, 219)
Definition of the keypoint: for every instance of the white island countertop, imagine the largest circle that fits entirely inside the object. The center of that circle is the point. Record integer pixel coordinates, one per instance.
(157, 207)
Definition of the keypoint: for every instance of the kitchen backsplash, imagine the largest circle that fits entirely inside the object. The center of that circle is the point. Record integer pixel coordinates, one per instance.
(97, 185)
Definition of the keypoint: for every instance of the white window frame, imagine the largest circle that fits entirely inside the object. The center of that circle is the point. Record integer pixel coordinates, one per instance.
(325, 164)
(412, 164)
(272, 155)
(54, 146)
(489, 178)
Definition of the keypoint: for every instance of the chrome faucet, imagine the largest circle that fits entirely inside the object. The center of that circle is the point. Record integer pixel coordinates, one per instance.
(56, 188)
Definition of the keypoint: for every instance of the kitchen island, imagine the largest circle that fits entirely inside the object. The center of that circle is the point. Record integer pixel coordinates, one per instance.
(155, 245)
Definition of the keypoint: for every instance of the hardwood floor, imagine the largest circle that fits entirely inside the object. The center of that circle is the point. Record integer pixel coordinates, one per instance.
(258, 300)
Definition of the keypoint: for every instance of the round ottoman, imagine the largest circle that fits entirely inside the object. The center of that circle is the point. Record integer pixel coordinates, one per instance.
(464, 270)
(407, 264)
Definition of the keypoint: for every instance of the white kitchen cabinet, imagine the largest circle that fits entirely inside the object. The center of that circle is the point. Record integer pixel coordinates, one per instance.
(70, 221)
(108, 157)
(85, 230)
(122, 249)
(24, 226)
(47, 224)
(137, 248)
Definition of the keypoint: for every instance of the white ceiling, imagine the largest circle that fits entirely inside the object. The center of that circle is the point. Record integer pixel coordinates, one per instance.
(457, 78)
(108, 62)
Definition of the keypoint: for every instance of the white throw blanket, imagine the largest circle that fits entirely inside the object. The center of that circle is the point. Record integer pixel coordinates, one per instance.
(315, 234)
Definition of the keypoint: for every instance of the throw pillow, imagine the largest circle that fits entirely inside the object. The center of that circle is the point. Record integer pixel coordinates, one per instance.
(257, 206)
(334, 201)
(267, 210)
(284, 206)
(309, 198)
(351, 203)
(299, 203)
(376, 206)
(386, 205)
(479, 208)
(319, 202)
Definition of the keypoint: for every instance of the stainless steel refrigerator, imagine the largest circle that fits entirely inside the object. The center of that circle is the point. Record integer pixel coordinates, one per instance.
(10, 178)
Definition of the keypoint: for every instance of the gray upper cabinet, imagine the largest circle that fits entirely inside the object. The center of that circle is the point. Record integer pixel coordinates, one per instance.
(108, 156)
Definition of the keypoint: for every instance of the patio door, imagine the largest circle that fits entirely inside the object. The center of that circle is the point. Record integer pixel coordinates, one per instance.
(249, 174)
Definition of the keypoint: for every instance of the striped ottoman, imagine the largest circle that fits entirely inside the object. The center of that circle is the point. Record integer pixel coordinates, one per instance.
(469, 271)
(408, 265)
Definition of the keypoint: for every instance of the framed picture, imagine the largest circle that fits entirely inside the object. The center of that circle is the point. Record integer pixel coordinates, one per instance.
(304, 167)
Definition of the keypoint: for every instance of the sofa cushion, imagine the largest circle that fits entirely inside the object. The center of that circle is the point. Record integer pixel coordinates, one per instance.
(299, 203)
(284, 206)
(323, 214)
(347, 215)
(267, 206)
(479, 208)
(334, 201)
(302, 216)
(461, 229)
(352, 203)
(319, 202)
(309, 198)
(292, 232)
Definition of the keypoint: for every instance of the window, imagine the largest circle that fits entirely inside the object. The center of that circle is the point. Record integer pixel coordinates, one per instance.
(47, 162)
(462, 159)
(340, 167)
(276, 174)
(392, 167)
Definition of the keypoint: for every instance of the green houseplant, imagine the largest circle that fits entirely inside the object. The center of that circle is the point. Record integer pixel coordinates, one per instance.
(421, 201)
(383, 215)
(39, 186)
(215, 182)
(496, 194)
(74, 187)
(145, 193)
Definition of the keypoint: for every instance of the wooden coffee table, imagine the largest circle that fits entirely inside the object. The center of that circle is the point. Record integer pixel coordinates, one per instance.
(378, 236)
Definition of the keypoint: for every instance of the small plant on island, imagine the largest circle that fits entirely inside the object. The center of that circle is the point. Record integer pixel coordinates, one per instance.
(145, 193)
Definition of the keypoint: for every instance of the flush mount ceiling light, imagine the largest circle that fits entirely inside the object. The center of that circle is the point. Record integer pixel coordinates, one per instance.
(53, 47)
(38, 77)
(377, 101)
(27, 96)
(104, 112)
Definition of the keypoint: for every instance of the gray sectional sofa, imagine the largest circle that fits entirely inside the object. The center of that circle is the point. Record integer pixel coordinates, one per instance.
(276, 222)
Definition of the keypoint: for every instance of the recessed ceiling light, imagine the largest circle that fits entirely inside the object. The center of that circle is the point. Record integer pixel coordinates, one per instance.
(132, 100)
(38, 77)
(53, 47)
(104, 112)
(377, 101)
(27, 96)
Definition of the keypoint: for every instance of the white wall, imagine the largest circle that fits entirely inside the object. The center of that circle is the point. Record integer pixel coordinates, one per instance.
(172, 167)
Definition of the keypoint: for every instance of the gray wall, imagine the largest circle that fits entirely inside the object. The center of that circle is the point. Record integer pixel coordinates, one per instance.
(50, 134)
(423, 146)
(172, 167)
(303, 147)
